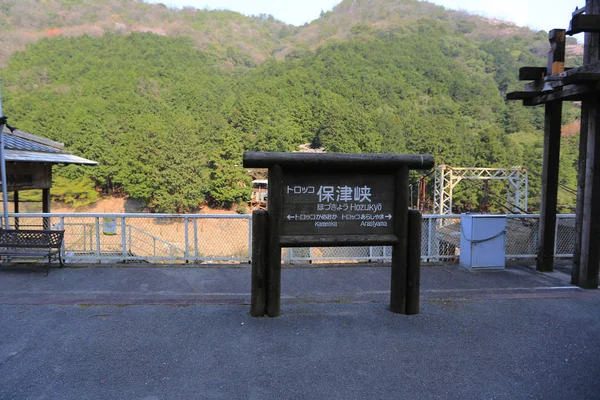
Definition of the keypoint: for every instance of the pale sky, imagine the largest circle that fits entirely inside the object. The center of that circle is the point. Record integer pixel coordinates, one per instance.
(536, 14)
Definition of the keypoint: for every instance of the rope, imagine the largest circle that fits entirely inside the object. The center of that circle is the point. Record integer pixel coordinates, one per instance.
(462, 231)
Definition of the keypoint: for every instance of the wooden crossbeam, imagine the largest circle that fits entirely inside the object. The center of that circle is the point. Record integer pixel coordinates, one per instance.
(584, 23)
(547, 85)
(522, 95)
(589, 72)
(532, 73)
(575, 92)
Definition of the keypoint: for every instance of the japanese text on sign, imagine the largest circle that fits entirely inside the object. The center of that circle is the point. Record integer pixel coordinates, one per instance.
(329, 194)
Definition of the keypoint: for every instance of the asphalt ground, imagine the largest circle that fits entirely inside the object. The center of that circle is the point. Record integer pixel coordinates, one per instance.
(170, 333)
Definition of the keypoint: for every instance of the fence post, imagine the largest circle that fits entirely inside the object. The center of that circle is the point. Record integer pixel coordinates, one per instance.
(196, 238)
(62, 228)
(187, 242)
(250, 228)
(124, 238)
(556, 236)
(98, 239)
(429, 235)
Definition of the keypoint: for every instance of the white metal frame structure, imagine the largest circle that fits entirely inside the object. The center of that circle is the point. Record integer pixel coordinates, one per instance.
(447, 177)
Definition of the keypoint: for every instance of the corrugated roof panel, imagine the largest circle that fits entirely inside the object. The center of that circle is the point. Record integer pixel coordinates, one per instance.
(56, 158)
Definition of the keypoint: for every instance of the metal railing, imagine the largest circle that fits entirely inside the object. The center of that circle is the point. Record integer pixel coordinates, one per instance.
(209, 238)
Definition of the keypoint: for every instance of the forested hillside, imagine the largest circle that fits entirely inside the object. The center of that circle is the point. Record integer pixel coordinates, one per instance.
(168, 119)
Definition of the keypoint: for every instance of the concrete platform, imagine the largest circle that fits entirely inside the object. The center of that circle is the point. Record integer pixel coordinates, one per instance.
(165, 333)
(230, 284)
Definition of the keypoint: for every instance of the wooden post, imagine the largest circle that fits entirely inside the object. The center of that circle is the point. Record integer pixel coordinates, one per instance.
(413, 262)
(275, 210)
(16, 208)
(586, 255)
(590, 232)
(556, 56)
(46, 207)
(580, 192)
(547, 234)
(259, 262)
(399, 251)
(552, 127)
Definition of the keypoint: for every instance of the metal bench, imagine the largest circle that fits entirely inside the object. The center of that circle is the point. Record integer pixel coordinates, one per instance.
(31, 243)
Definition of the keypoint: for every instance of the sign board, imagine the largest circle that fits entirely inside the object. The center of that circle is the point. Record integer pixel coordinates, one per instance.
(335, 200)
(109, 226)
(337, 204)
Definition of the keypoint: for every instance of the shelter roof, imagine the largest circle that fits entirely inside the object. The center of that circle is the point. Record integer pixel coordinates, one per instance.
(25, 147)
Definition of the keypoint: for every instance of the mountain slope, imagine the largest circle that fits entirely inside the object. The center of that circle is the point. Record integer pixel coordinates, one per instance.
(168, 123)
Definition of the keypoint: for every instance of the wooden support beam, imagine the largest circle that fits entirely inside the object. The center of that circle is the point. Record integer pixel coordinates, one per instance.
(584, 23)
(584, 73)
(556, 56)
(413, 280)
(275, 210)
(399, 250)
(46, 207)
(578, 92)
(580, 191)
(259, 263)
(532, 73)
(552, 126)
(522, 95)
(585, 256)
(16, 207)
(590, 230)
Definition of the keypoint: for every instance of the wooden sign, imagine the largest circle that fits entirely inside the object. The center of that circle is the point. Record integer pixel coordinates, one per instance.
(337, 204)
(335, 200)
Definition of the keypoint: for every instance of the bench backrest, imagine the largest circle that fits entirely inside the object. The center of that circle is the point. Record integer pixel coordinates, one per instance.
(31, 239)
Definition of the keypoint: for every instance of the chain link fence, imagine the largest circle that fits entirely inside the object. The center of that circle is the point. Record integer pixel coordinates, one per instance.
(205, 238)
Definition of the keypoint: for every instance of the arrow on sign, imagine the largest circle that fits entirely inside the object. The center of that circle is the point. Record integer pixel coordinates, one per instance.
(290, 217)
(389, 216)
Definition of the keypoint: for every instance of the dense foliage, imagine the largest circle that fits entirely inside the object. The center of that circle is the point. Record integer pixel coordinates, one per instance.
(168, 124)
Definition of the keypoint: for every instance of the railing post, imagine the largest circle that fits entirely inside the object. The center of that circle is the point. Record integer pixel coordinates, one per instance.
(250, 223)
(556, 235)
(98, 239)
(429, 239)
(124, 238)
(84, 238)
(187, 243)
(196, 238)
(62, 228)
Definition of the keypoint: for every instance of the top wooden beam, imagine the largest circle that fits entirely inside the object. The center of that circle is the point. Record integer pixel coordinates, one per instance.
(532, 73)
(337, 160)
(584, 23)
